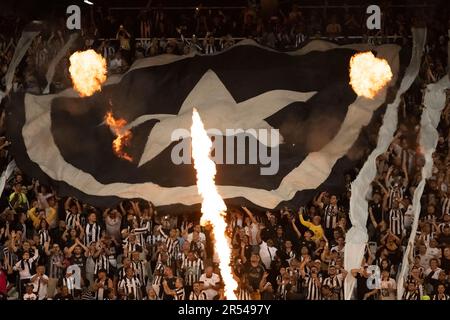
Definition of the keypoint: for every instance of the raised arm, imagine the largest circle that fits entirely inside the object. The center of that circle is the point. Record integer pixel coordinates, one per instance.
(67, 203)
(250, 214)
(302, 221)
(294, 227)
(319, 201)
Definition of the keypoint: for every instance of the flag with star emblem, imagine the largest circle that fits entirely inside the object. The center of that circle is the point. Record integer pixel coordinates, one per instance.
(305, 96)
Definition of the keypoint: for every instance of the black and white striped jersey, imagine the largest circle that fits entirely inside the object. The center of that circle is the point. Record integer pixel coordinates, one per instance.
(92, 233)
(200, 296)
(140, 271)
(336, 284)
(131, 287)
(192, 270)
(330, 219)
(312, 287)
(396, 221)
(180, 294)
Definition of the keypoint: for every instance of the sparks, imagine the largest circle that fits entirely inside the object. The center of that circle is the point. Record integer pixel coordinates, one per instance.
(368, 74)
(123, 136)
(213, 206)
(88, 72)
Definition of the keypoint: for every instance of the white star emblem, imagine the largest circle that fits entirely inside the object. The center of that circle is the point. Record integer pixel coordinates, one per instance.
(218, 109)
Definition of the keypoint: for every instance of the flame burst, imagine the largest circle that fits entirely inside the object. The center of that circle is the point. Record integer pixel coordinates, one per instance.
(213, 206)
(123, 136)
(368, 74)
(88, 72)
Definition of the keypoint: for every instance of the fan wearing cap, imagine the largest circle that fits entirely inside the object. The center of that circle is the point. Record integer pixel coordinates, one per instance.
(335, 282)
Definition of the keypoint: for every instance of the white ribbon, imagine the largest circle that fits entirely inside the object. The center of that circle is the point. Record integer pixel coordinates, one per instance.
(434, 102)
(357, 237)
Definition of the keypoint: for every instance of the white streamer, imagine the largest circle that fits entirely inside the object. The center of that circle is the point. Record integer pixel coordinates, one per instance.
(357, 237)
(6, 174)
(434, 102)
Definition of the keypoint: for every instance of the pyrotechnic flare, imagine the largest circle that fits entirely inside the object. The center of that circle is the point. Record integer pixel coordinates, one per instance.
(213, 206)
(123, 135)
(368, 74)
(88, 72)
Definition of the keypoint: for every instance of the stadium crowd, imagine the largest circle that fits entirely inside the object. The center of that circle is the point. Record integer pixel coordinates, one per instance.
(62, 249)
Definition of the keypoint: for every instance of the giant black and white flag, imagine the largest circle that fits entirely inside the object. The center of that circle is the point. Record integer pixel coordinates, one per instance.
(62, 138)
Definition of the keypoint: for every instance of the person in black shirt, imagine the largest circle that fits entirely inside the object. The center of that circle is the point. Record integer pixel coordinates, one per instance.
(375, 216)
(254, 271)
(363, 292)
(170, 284)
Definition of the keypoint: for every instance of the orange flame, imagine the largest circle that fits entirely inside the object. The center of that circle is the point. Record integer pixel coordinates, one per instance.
(88, 72)
(122, 136)
(213, 206)
(368, 74)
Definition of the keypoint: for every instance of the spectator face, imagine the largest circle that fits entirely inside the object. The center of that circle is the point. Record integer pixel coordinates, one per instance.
(196, 287)
(433, 264)
(333, 200)
(447, 252)
(18, 188)
(433, 243)
(126, 262)
(130, 273)
(279, 232)
(55, 248)
(254, 260)
(135, 256)
(288, 244)
(26, 246)
(332, 270)
(308, 235)
(92, 217)
(40, 270)
(415, 272)
(316, 220)
(101, 275)
(77, 250)
(441, 289)
(411, 286)
(209, 271)
(191, 256)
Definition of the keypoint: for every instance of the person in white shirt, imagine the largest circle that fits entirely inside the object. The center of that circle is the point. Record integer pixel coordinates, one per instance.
(433, 271)
(29, 294)
(267, 253)
(251, 228)
(198, 229)
(39, 282)
(210, 283)
(25, 267)
(388, 287)
(432, 249)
